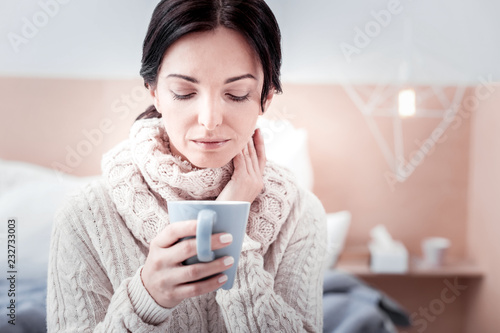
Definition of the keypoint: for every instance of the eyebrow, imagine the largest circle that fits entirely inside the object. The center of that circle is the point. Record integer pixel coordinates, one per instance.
(184, 77)
(230, 80)
(241, 77)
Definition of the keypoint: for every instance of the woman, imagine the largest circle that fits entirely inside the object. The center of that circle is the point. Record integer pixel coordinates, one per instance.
(211, 67)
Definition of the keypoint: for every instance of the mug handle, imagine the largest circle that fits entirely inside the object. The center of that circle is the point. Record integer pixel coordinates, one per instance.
(206, 220)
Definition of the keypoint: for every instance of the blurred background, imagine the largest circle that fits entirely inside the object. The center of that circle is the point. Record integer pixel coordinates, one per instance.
(395, 104)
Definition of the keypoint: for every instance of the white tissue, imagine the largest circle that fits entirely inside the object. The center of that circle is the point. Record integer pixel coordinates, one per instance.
(381, 236)
(386, 254)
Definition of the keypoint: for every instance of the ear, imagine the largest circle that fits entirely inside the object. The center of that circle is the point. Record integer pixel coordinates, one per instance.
(267, 101)
(154, 94)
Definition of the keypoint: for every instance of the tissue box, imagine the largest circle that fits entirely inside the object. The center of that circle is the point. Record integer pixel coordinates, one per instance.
(388, 259)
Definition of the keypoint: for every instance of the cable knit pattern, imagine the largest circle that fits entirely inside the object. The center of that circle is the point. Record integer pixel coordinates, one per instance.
(101, 237)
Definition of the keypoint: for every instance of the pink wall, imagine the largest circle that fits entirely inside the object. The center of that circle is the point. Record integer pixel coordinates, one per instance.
(351, 173)
(484, 215)
(66, 123)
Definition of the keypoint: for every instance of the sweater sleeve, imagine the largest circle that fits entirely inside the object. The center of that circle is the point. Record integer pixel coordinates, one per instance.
(80, 296)
(292, 300)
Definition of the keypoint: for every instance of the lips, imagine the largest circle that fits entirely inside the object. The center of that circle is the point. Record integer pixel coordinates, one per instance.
(210, 143)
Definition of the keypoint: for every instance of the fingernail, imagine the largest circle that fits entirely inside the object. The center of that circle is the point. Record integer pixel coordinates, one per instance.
(228, 261)
(222, 279)
(226, 238)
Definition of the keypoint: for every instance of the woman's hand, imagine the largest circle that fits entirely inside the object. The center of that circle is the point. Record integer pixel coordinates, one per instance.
(164, 276)
(247, 180)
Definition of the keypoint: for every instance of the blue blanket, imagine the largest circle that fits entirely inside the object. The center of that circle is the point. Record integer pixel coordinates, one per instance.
(351, 306)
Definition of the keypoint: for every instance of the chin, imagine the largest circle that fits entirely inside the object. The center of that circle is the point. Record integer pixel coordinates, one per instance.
(204, 162)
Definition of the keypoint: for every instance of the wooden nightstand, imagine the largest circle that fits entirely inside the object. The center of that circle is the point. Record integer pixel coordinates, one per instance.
(357, 262)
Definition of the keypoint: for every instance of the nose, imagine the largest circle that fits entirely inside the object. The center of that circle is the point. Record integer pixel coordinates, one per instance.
(210, 115)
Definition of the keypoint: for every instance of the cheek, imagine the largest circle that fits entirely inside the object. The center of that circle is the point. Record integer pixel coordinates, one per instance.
(175, 126)
(175, 119)
(245, 127)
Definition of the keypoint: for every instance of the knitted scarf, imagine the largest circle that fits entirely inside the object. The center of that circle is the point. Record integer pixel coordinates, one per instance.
(142, 175)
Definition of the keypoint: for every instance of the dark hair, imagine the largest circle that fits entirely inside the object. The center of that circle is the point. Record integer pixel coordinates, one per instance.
(173, 19)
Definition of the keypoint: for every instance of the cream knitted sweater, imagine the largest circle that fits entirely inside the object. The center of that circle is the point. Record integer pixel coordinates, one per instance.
(101, 237)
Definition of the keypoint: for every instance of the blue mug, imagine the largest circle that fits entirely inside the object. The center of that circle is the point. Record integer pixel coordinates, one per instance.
(214, 217)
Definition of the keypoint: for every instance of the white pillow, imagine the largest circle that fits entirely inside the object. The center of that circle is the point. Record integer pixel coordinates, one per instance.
(287, 146)
(337, 227)
(31, 194)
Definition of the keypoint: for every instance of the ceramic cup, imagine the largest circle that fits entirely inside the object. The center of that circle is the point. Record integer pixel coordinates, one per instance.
(214, 217)
(434, 250)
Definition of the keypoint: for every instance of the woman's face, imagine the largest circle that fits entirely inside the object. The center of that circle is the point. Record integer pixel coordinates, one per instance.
(208, 92)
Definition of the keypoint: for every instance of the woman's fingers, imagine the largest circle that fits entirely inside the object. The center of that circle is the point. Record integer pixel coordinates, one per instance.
(196, 272)
(173, 232)
(171, 235)
(247, 182)
(254, 161)
(200, 288)
(169, 285)
(186, 248)
(258, 140)
(239, 163)
(255, 155)
(246, 168)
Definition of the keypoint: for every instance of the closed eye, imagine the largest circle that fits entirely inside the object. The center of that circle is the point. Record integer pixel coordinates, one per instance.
(238, 98)
(182, 97)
